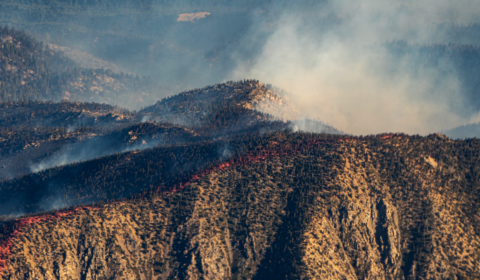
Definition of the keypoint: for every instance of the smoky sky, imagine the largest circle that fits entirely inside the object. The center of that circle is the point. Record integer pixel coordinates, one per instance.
(332, 58)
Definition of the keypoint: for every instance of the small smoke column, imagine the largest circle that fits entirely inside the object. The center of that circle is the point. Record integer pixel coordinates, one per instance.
(334, 58)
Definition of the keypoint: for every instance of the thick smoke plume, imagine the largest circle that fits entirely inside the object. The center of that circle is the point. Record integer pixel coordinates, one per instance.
(334, 59)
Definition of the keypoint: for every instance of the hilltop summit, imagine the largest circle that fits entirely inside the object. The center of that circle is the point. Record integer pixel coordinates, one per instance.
(200, 106)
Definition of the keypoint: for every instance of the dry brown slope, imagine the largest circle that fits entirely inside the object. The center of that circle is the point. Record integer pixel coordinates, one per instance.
(358, 209)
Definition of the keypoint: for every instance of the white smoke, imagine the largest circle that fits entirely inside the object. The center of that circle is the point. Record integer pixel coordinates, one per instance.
(342, 74)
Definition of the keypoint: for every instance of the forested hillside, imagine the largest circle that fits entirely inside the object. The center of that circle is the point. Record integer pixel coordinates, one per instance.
(294, 206)
(32, 71)
(231, 108)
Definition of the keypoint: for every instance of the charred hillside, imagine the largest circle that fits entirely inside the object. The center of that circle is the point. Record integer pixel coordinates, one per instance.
(295, 206)
(63, 114)
(39, 149)
(112, 177)
(32, 130)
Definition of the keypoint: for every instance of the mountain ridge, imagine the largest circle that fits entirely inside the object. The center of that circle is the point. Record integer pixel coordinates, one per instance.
(224, 223)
